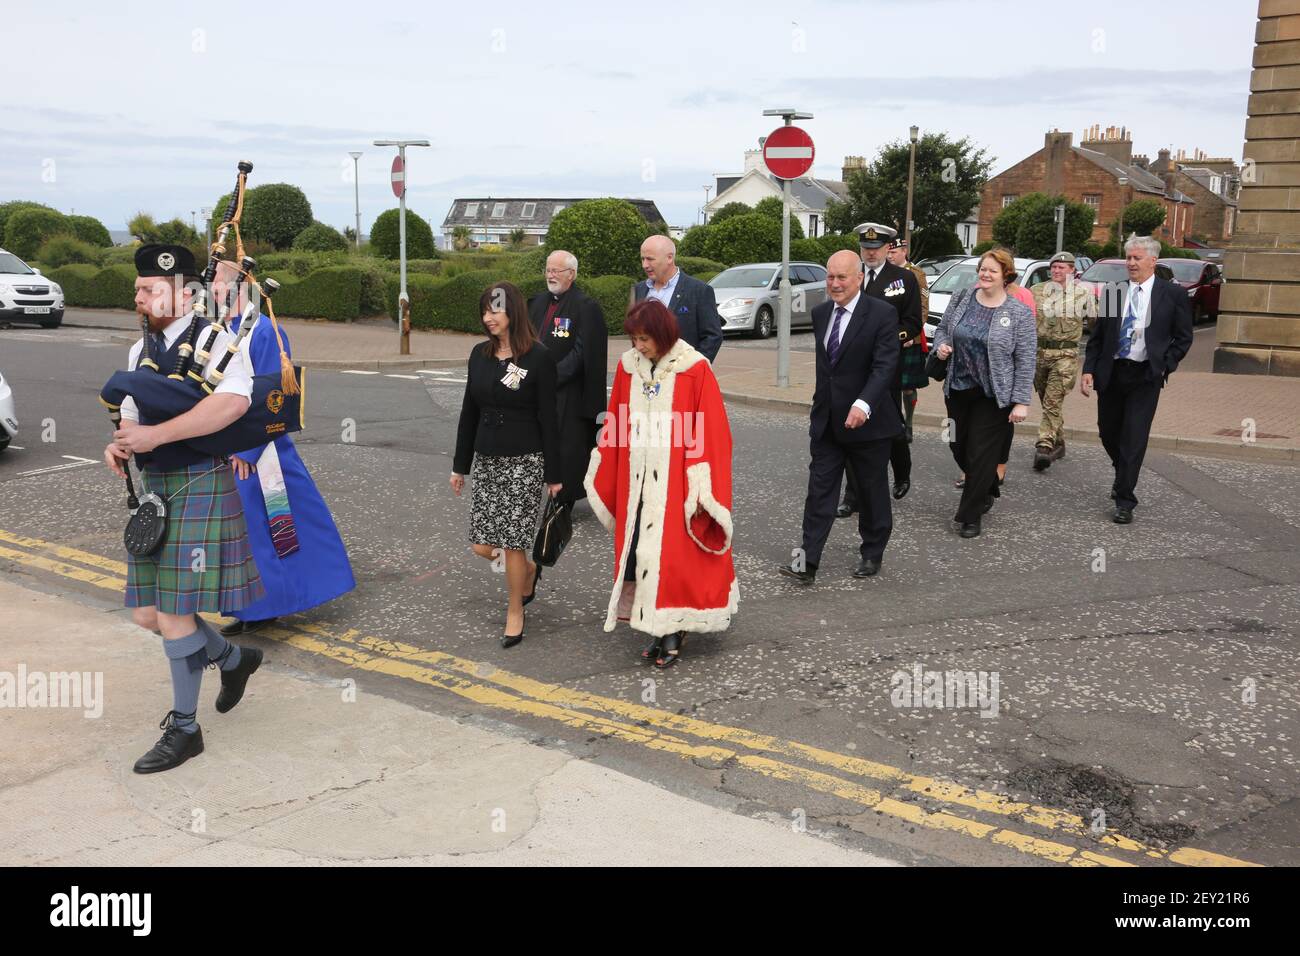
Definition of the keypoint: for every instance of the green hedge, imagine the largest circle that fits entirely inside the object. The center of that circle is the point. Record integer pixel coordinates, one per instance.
(331, 293)
(694, 265)
(90, 287)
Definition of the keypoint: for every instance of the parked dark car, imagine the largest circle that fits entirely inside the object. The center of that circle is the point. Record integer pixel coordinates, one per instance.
(1203, 282)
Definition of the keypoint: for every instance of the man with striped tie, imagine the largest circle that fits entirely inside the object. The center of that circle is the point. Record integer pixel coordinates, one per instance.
(853, 419)
(1143, 332)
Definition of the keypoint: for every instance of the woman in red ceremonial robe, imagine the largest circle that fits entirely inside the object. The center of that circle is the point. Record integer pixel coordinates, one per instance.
(660, 479)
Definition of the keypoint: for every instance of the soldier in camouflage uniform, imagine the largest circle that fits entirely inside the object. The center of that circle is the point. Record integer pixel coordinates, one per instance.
(1063, 307)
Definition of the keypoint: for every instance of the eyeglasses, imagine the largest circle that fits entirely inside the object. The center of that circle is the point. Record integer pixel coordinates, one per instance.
(556, 272)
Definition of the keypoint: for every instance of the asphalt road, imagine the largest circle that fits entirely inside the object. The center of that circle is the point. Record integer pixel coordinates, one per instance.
(1146, 672)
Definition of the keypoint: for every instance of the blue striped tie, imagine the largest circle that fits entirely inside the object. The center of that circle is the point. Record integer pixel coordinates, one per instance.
(1130, 321)
(833, 346)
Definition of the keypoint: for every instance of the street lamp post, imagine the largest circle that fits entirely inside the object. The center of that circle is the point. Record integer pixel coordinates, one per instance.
(206, 213)
(783, 309)
(403, 300)
(911, 180)
(704, 210)
(356, 191)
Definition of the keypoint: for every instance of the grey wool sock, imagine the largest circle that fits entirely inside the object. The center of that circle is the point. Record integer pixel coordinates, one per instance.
(217, 645)
(187, 656)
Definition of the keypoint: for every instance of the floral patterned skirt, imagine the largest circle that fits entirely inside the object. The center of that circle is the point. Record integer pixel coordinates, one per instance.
(507, 504)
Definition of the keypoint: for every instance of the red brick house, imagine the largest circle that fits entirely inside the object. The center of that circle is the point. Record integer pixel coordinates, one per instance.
(1089, 173)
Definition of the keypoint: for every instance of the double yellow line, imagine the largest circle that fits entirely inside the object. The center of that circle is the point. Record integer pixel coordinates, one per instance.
(887, 790)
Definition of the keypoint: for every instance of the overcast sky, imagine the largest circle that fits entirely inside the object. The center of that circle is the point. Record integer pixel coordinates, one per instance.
(107, 110)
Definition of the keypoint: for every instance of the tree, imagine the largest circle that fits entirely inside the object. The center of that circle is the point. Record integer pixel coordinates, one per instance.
(727, 211)
(605, 235)
(385, 236)
(91, 230)
(460, 238)
(68, 250)
(319, 237)
(1028, 225)
(771, 207)
(275, 213)
(7, 209)
(27, 229)
(517, 238)
(1142, 217)
(949, 177)
(749, 238)
(692, 243)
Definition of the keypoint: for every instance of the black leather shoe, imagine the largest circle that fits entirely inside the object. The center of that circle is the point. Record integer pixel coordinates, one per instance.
(652, 650)
(901, 488)
(1058, 449)
(235, 680)
(843, 511)
(670, 650)
(867, 568)
(970, 529)
(510, 640)
(1042, 457)
(173, 748)
(1123, 516)
(807, 576)
(235, 628)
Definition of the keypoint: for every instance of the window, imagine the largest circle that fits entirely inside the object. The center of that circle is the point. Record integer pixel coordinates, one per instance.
(498, 210)
(556, 211)
(802, 275)
(1093, 200)
(1008, 199)
(1216, 184)
(528, 210)
(812, 226)
(471, 210)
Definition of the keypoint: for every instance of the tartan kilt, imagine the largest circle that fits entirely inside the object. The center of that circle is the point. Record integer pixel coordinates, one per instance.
(208, 515)
(911, 368)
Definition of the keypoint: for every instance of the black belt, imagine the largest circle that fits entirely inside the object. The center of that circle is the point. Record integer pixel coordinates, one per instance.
(497, 417)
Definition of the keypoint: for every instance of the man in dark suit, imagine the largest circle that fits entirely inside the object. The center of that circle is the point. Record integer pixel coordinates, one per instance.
(571, 325)
(1143, 330)
(853, 417)
(690, 301)
(881, 279)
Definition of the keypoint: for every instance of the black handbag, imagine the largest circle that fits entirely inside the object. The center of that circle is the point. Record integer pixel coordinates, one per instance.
(554, 534)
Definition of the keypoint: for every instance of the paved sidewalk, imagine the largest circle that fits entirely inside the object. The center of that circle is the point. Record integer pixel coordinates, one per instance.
(296, 775)
(1200, 412)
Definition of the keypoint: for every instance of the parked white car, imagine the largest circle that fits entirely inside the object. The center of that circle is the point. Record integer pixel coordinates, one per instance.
(26, 295)
(748, 294)
(1029, 272)
(8, 417)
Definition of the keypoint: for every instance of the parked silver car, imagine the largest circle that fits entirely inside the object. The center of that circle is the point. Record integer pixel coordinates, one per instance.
(748, 294)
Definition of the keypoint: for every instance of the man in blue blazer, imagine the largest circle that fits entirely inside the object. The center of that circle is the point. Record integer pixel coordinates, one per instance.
(1144, 329)
(853, 419)
(691, 301)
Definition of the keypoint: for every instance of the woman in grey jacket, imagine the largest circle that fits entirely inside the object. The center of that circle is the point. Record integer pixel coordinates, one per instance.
(991, 342)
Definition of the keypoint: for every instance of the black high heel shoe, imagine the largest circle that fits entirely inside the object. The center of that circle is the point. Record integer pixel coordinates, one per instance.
(510, 640)
(653, 650)
(537, 576)
(671, 650)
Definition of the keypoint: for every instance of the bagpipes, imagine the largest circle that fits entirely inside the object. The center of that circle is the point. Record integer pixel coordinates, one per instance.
(276, 403)
(276, 407)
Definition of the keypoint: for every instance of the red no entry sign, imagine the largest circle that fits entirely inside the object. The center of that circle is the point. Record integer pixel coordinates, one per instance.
(788, 152)
(399, 177)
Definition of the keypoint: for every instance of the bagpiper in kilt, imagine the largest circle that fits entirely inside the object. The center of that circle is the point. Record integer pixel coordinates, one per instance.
(204, 563)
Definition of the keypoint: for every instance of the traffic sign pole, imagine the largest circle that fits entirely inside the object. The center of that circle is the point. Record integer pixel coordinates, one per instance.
(399, 189)
(788, 153)
(403, 306)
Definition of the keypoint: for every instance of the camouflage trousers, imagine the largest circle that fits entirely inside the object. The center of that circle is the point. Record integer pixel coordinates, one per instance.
(1055, 375)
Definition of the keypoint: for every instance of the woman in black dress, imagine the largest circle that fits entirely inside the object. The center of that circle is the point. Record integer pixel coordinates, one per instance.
(508, 442)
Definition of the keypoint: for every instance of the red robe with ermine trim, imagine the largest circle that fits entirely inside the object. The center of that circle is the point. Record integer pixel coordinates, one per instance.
(665, 443)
